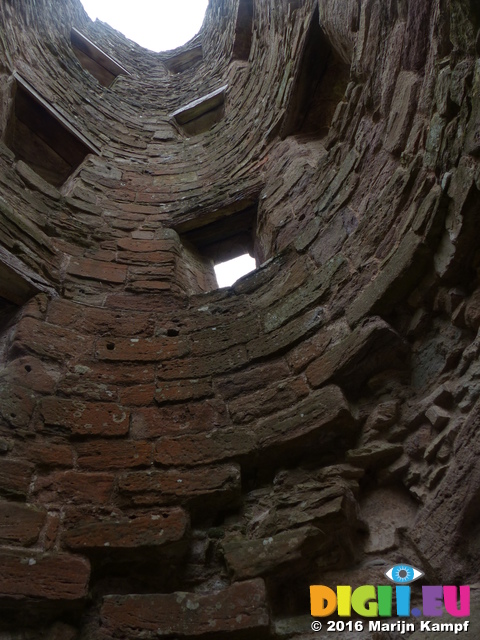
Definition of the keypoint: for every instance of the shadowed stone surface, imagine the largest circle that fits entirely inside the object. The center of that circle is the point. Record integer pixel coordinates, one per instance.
(182, 461)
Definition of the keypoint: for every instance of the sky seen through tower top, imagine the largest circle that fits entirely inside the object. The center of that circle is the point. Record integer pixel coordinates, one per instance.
(158, 25)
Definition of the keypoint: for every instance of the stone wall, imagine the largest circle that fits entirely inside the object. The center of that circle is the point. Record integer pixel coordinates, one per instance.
(183, 461)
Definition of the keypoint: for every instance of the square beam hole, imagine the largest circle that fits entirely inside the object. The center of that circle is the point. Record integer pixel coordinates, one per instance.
(43, 138)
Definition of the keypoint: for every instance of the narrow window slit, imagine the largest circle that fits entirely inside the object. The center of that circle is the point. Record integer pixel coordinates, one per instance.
(243, 30)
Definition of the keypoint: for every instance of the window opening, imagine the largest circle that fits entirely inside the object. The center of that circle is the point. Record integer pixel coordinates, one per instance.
(227, 273)
(102, 67)
(223, 237)
(41, 137)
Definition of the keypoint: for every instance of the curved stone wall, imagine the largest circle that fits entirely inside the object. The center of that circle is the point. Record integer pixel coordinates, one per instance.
(183, 461)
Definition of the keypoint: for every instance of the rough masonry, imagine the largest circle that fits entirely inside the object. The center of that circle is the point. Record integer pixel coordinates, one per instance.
(182, 461)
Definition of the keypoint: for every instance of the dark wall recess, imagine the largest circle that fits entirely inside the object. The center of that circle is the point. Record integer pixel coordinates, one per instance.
(104, 68)
(320, 81)
(184, 60)
(201, 114)
(42, 137)
(243, 30)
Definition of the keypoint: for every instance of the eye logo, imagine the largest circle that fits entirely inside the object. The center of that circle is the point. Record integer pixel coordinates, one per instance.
(403, 574)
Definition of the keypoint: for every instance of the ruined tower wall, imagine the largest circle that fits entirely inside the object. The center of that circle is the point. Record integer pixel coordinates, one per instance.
(182, 461)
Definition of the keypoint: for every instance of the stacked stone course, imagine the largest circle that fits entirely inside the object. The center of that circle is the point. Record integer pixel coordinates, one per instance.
(182, 461)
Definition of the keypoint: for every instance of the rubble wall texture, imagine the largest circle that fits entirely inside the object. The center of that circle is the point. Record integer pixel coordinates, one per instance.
(181, 461)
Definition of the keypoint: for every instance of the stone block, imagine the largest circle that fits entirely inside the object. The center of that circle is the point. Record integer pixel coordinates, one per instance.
(51, 576)
(206, 487)
(195, 417)
(187, 390)
(49, 341)
(20, 524)
(239, 610)
(321, 417)
(251, 379)
(140, 349)
(403, 108)
(141, 530)
(370, 348)
(107, 272)
(16, 404)
(33, 374)
(395, 279)
(15, 477)
(286, 336)
(114, 454)
(76, 417)
(45, 454)
(253, 558)
(375, 455)
(74, 487)
(267, 401)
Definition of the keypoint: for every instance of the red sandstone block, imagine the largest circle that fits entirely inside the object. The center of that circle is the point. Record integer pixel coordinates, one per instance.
(137, 284)
(100, 381)
(33, 374)
(89, 320)
(85, 418)
(251, 380)
(372, 347)
(97, 270)
(204, 448)
(239, 609)
(50, 341)
(170, 392)
(16, 404)
(320, 417)
(74, 487)
(141, 349)
(123, 532)
(286, 336)
(150, 258)
(267, 401)
(53, 576)
(219, 484)
(224, 336)
(15, 477)
(196, 417)
(50, 533)
(139, 395)
(147, 246)
(113, 454)
(20, 524)
(147, 302)
(45, 454)
(216, 364)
